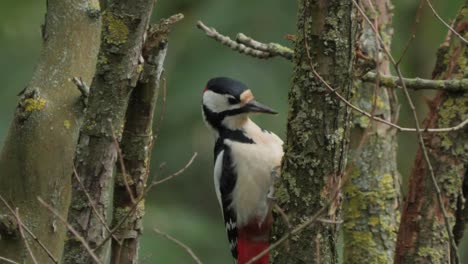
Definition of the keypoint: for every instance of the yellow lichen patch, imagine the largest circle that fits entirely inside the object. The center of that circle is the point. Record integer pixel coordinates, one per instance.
(66, 124)
(139, 68)
(34, 104)
(116, 30)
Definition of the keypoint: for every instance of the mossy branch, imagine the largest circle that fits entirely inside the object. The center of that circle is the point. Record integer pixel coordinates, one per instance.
(455, 85)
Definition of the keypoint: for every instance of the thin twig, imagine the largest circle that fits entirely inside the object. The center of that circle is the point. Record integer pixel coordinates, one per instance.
(91, 202)
(8, 260)
(142, 196)
(413, 30)
(71, 229)
(122, 167)
(182, 245)
(296, 230)
(20, 227)
(445, 23)
(177, 173)
(418, 83)
(35, 238)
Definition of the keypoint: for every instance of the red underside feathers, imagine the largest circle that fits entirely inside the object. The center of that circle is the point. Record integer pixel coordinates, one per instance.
(252, 240)
(247, 249)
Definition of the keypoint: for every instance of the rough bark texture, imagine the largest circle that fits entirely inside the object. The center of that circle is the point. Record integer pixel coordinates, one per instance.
(37, 157)
(318, 129)
(137, 141)
(371, 192)
(124, 24)
(423, 237)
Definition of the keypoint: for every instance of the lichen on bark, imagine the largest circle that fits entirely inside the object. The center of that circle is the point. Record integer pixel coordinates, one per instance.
(317, 130)
(371, 191)
(124, 26)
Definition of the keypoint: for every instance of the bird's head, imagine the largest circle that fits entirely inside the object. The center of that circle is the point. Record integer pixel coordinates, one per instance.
(227, 104)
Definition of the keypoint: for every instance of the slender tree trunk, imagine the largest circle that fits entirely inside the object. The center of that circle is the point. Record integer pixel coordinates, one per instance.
(137, 142)
(318, 129)
(124, 25)
(36, 159)
(371, 193)
(423, 237)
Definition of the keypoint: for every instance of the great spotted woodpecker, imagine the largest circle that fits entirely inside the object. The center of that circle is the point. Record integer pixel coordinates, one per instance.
(246, 157)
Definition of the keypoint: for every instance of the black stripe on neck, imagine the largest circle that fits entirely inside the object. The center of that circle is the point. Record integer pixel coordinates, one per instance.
(216, 119)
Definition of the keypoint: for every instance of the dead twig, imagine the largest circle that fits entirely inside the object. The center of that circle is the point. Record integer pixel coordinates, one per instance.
(7, 260)
(445, 23)
(71, 229)
(180, 244)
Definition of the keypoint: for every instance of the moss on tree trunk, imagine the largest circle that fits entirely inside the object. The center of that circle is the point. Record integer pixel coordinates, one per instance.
(317, 131)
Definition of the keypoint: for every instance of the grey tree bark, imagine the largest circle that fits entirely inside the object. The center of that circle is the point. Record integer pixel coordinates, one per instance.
(124, 24)
(37, 156)
(318, 129)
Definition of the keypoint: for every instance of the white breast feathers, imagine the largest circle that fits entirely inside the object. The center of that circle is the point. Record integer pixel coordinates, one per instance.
(253, 164)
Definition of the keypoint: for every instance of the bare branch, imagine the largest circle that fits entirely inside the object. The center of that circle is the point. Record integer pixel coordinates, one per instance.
(182, 245)
(35, 238)
(274, 49)
(418, 83)
(248, 45)
(71, 229)
(445, 23)
(8, 260)
(20, 227)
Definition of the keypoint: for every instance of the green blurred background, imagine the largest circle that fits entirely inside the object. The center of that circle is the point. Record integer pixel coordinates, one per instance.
(186, 207)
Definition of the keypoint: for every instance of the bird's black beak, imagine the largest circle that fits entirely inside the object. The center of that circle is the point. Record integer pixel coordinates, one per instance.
(256, 107)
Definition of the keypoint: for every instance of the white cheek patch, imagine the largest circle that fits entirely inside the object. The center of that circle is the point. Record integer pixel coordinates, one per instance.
(215, 102)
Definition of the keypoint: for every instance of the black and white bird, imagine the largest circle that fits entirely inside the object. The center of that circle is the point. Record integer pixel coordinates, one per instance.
(246, 157)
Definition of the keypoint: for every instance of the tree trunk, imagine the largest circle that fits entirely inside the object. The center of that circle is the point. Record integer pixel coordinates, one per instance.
(371, 192)
(137, 142)
(124, 25)
(423, 237)
(318, 129)
(36, 159)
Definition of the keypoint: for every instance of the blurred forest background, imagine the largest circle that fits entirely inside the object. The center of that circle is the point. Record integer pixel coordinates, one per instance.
(186, 207)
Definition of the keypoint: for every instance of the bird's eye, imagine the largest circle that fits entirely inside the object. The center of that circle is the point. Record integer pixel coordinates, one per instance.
(233, 100)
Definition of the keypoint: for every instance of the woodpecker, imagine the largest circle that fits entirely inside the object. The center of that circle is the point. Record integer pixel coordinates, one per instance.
(246, 158)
